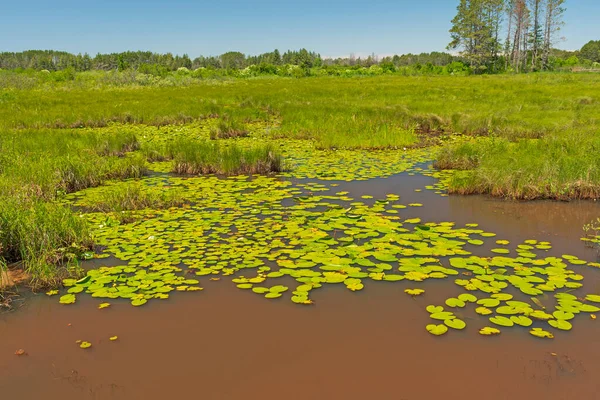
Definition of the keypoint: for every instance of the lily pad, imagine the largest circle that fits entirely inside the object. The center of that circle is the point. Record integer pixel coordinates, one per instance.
(437, 330)
(502, 321)
(539, 332)
(67, 299)
(455, 323)
(454, 302)
(488, 331)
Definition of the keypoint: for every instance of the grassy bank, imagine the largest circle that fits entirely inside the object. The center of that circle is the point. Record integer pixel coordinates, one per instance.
(559, 166)
(38, 167)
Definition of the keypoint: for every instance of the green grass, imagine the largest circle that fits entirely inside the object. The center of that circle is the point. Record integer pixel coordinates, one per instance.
(133, 196)
(537, 138)
(45, 237)
(197, 157)
(37, 167)
(511, 106)
(560, 166)
(228, 128)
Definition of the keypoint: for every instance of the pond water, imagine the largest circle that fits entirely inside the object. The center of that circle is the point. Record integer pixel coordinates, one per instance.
(226, 343)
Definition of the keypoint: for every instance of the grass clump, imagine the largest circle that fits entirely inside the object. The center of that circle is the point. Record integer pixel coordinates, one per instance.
(199, 157)
(37, 168)
(44, 238)
(228, 128)
(561, 166)
(133, 196)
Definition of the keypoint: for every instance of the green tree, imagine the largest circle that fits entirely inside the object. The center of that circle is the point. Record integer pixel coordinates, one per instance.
(475, 32)
(591, 51)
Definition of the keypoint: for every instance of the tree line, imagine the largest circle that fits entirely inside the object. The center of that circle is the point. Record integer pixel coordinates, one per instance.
(517, 35)
(157, 64)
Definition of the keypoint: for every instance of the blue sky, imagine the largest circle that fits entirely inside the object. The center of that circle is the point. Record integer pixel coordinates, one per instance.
(196, 27)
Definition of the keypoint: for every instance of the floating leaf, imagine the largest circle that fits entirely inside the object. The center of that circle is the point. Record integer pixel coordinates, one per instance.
(278, 289)
(488, 331)
(244, 286)
(85, 345)
(444, 315)
(593, 298)
(483, 311)
(434, 309)
(539, 332)
(437, 330)
(455, 323)
(467, 298)
(563, 315)
(414, 292)
(113, 338)
(103, 305)
(454, 302)
(489, 302)
(138, 302)
(502, 321)
(521, 320)
(67, 299)
(560, 324)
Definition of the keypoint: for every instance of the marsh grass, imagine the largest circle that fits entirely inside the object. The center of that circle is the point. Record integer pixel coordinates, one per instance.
(228, 128)
(560, 166)
(133, 196)
(36, 169)
(192, 157)
(509, 106)
(45, 237)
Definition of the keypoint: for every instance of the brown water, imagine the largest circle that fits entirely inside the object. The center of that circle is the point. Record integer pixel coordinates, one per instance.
(225, 343)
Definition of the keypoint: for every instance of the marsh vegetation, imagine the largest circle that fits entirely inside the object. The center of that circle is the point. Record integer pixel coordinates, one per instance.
(241, 181)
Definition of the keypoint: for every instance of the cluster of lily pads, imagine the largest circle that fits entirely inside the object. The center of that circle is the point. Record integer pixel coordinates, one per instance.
(273, 236)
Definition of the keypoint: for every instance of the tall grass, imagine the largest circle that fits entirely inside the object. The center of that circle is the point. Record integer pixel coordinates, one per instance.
(228, 128)
(197, 157)
(510, 106)
(43, 236)
(36, 169)
(560, 166)
(132, 196)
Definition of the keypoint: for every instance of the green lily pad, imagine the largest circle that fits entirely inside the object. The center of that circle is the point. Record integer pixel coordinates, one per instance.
(563, 315)
(560, 324)
(488, 331)
(138, 302)
(502, 321)
(593, 298)
(67, 299)
(489, 302)
(437, 330)
(434, 309)
(444, 315)
(483, 311)
(454, 302)
(521, 320)
(467, 298)
(539, 332)
(455, 323)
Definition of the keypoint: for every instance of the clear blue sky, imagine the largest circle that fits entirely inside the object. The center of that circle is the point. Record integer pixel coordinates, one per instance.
(196, 27)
